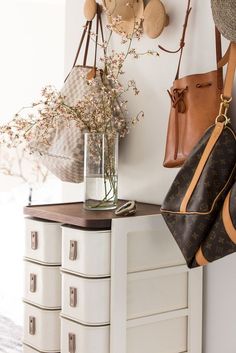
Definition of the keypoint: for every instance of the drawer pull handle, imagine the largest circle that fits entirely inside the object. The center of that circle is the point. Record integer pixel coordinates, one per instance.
(72, 343)
(73, 297)
(32, 283)
(73, 250)
(34, 240)
(32, 326)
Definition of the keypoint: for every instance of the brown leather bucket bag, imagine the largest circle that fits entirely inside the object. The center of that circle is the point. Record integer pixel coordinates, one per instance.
(195, 101)
(200, 207)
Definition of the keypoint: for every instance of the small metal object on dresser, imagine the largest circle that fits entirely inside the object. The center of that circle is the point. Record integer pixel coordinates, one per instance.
(127, 209)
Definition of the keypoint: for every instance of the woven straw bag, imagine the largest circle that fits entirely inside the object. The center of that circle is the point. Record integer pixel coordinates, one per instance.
(63, 156)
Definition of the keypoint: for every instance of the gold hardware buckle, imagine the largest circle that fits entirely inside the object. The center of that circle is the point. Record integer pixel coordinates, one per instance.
(224, 107)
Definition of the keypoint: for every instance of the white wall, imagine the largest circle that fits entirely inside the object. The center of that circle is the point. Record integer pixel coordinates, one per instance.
(141, 175)
(32, 55)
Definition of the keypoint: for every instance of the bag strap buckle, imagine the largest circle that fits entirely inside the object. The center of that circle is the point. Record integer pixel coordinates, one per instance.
(224, 107)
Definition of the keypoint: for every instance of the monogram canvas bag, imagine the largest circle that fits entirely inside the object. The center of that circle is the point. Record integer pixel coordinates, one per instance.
(63, 156)
(199, 208)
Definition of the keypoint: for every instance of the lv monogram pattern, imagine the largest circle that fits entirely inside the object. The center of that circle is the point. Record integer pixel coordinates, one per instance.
(218, 243)
(192, 228)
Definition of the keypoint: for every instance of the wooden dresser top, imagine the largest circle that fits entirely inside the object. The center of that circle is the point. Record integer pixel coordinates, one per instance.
(75, 214)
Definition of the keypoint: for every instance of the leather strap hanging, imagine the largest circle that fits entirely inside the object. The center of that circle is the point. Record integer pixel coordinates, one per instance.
(218, 47)
(87, 30)
(182, 40)
(229, 79)
(195, 101)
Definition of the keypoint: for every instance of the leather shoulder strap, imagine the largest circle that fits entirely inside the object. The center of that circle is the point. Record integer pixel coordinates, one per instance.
(87, 29)
(218, 44)
(229, 78)
(209, 147)
(218, 48)
(182, 40)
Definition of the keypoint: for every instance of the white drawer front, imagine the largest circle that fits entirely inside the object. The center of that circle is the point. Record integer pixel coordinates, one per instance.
(153, 249)
(167, 336)
(86, 300)
(155, 292)
(86, 252)
(28, 349)
(149, 292)
(43, 241)
(91, 257)
(76, 338)
(41, 329)
(42, 285)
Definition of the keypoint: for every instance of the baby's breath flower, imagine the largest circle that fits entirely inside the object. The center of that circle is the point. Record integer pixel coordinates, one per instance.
(104, 109)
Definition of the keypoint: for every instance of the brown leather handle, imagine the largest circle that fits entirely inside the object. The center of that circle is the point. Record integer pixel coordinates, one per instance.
(87, 30)
(86, 45)
(182, 40)
(182, 43)
(81, 42)
(218, 47)
(229, 78)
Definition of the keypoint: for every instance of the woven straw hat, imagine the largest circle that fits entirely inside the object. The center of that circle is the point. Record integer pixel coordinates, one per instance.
(129, 14)
(224, 14)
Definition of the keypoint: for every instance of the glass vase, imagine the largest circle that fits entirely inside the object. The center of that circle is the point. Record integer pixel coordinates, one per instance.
(101, 171)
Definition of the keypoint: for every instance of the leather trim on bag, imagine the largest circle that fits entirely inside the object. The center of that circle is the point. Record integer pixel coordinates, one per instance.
(227, 221)
(209, 147)
(213, 204)
(230, 71)
(200, 258)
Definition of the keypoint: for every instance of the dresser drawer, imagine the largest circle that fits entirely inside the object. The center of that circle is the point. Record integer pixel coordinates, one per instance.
(157, 291)
(41, 329)
(166, 336)
(76, 338)
(42, 285)
(87, 253)
(43, 241)
(149, 292)
(86, 300)
(28, 349)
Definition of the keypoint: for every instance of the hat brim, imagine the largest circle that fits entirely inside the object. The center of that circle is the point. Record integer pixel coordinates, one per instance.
(126, 27)
(224, 15)
(130, 16)
(121, 8)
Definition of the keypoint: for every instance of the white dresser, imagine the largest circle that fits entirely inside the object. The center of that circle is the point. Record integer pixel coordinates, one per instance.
(42, 287)
(122, 287)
